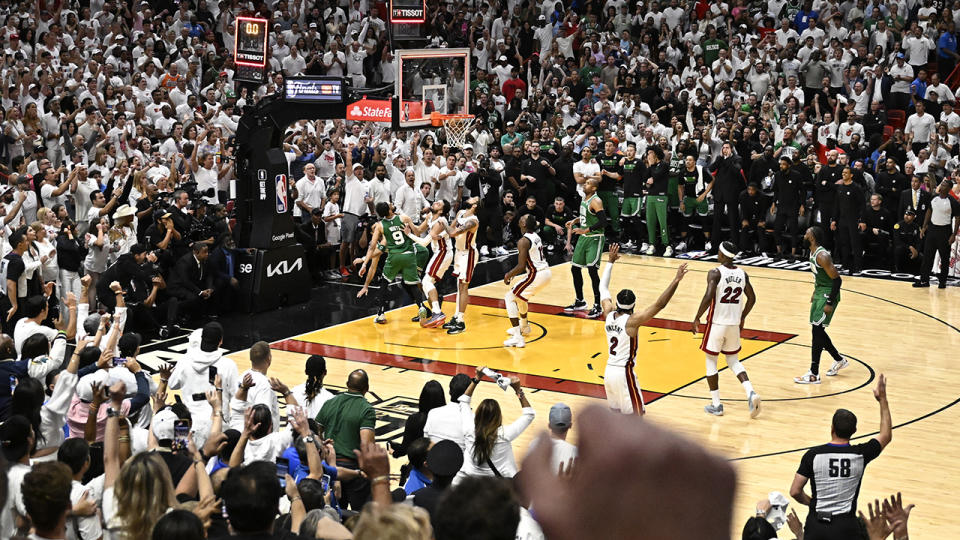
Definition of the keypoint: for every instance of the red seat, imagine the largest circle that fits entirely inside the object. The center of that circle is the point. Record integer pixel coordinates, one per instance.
(896, 118)
(887, 132)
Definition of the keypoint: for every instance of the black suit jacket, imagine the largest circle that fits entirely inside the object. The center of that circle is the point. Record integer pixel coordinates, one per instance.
(187, 278)
(906, 201)
(217, 266)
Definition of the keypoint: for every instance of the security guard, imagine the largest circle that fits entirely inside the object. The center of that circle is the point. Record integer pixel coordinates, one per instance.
(906, 243)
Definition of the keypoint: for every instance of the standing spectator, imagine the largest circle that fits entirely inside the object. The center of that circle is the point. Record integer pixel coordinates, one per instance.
(787, 205)
(835, 471)
(730, 181)
(879, 227)
(349, 420)
(947, 53)
(489, 448)
(939, 232)
(563, 453)
(311, 395)
(848, 222)
(906, 243)
(445, 422)
(431, 397)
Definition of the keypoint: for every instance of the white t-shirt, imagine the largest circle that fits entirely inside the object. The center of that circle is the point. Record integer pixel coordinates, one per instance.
(425, 173)
(311, 408)
(207, 179)
(587, 170)
(563, 452)
(921, 127)
(26, 328)
(310, 193)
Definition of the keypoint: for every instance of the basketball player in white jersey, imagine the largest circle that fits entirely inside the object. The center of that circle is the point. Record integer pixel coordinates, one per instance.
(464, 234)
(726, 287)
(438, 238)
(622, 324)
(530, 259)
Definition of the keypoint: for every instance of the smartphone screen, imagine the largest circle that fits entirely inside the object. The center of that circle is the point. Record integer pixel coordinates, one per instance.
(283, 468)
(181, 432)
(117, 361)
(212, 373)
(325, 482)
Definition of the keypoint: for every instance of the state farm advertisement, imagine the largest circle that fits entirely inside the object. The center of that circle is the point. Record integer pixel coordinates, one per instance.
(369, 110)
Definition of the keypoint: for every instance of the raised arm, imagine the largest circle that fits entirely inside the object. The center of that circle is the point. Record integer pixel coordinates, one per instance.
(637, 319)
(605, 299)
(886, 424)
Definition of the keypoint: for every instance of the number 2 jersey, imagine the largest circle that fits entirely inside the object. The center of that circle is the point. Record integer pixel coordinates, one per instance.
(623, 348)
(727, 305)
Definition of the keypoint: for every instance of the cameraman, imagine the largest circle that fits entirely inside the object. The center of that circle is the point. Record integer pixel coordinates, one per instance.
(181, 212)
(147, 204)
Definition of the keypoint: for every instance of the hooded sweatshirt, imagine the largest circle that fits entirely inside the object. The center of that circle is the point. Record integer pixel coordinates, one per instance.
(191, 376)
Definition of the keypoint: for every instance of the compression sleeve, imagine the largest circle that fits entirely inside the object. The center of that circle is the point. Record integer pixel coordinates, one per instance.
(605, 282)
(834, 290)
(601, 223)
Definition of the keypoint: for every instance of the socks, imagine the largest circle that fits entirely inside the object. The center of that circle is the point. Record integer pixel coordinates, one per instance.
(436, 306)
(595, 281)
(458, 316)
(577, 282)
(715, 397)
(747, 387)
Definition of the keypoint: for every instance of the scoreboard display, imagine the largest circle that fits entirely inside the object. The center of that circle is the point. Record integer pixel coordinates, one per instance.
(313, 89)
(250, 51)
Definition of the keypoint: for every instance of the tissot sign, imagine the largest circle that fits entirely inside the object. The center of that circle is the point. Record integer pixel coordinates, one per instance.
(408, 11)
(369, 110)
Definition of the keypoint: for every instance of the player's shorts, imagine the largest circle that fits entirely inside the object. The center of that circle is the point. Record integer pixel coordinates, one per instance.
(721, 338)
(423, 256)
(405, 264)
(348, 228)
(631, 207)
(439, 262)
(623, 390)
(690, 205)
(463, 263)
(532, 282)
(589, 250)
(817, 316)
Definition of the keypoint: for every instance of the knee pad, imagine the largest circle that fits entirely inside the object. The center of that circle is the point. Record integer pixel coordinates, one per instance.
(711, 365)
(733, 361)
(427, 284)
(511, 301)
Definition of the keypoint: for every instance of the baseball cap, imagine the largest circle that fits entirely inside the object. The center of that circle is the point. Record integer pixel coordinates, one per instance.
(560, 416)
(509, 124)
(445, 458)
(503, 58)
(542, 18)
(910, 212)
(211, 337)
(163, 423)
(900, 55)
(313, 25)
(357, 166)
(14, 36)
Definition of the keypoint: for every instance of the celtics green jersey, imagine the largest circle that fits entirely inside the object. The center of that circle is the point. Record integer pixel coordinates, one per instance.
(588, 218)
(821, 279)
(394, 234)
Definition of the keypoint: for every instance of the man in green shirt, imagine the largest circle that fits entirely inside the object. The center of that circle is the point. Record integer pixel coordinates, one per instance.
(823, 304)
(511, 137)
(610, 174)
(350, 420)
(711, 46)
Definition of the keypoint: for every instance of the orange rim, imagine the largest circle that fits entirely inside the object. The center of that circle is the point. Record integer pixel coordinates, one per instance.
(436, 119)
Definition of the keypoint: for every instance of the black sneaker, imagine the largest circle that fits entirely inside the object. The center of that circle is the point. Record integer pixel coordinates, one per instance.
(577, 305)
(918, 284)
(164, 332)
(415, 319)
(457, 328)
(597, 311)
(942, 284)
(450, 324)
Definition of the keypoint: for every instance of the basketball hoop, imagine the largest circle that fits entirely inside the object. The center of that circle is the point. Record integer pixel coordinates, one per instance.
(455, 126)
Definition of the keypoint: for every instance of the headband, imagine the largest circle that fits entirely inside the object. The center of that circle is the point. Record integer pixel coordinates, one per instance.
(727, 252)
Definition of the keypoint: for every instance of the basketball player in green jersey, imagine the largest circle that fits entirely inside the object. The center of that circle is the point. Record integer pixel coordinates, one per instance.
(401, 258)
(590, 226)
(823, 304)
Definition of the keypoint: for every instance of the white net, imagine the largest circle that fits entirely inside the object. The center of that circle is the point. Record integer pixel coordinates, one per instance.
(456, 129)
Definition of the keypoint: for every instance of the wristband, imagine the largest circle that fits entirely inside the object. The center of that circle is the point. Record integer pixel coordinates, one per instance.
(295, 499)
(477, 380)
(385, 479)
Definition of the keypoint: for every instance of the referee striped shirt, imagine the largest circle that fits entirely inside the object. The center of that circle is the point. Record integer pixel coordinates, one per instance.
(835, 472)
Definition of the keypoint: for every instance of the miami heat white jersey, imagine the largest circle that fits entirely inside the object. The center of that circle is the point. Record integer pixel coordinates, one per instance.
(537, 260)
(727, 305)
(467, 240)
(435, 245)
(622, 349)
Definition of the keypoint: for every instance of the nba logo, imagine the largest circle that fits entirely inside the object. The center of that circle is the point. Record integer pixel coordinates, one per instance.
(281, 193)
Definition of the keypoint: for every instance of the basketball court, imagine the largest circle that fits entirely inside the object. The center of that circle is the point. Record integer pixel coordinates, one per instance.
(882, 326)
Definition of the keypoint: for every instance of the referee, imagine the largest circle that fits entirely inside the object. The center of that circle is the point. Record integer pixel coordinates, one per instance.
(835, 471)
(938, 234)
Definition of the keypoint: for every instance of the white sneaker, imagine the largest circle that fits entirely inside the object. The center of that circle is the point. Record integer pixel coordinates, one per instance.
(380, 319)
(668, 252)
(515, 341)
(837, 366)
(650, 250)
(512, 330)
(807, 378)
(754, 402)
(716, 410)
(681, 247)
(644, 247)
(484, 251)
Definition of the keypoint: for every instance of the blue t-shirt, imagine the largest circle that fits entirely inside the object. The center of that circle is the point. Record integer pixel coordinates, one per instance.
(946, 42)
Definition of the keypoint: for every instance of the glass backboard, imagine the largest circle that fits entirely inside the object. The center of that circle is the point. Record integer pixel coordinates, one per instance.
(431, 80)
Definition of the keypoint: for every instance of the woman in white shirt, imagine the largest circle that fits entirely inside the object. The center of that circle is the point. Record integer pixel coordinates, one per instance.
(489, 442)
(206, 172)
(98, 252)
(47, 251)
